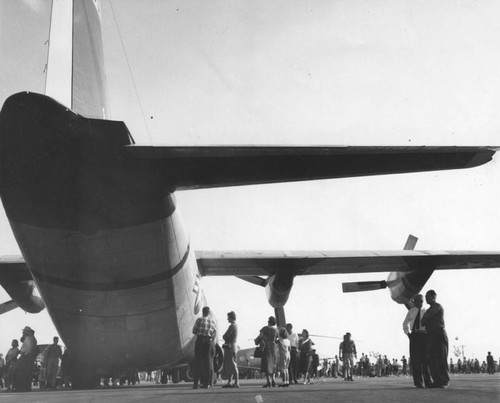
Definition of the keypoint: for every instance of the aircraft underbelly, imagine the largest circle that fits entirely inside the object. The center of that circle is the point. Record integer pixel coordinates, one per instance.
(120, 297)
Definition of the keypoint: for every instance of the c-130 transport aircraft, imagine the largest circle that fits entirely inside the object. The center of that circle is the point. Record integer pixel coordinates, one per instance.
(96, 218)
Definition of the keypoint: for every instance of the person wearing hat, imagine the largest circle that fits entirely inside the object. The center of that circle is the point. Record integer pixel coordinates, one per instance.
(27, 356)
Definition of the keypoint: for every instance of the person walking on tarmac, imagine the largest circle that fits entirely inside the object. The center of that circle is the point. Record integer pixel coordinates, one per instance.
(347, 350)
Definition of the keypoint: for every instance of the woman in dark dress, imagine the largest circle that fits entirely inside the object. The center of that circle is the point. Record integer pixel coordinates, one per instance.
(305, 358)
(267, 338)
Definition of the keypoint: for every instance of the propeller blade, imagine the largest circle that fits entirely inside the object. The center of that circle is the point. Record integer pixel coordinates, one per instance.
(411, 242)
(363, 286)
(8, 306)
(254, 280)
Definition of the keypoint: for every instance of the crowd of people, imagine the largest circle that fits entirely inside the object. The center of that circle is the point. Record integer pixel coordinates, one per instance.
(283, 352)
(293, 356)
(20, 369)
(18, 366)
(472, 366)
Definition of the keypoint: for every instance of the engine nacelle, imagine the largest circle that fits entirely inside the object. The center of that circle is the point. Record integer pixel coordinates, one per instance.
(405, 285)
(24, 294)
(278, 287)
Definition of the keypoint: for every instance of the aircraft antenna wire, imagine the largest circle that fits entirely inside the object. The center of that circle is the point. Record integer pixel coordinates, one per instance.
(130, 72)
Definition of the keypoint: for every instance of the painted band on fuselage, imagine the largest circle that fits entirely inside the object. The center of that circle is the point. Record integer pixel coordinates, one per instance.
(120, 285)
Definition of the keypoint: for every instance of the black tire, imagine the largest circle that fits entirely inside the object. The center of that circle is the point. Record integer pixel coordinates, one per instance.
(187, 374)
(176, 375)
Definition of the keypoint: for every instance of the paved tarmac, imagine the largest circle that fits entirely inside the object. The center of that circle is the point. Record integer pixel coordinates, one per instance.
(463, 388)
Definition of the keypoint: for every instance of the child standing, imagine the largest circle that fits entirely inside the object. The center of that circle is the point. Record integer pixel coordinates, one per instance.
(284, 356)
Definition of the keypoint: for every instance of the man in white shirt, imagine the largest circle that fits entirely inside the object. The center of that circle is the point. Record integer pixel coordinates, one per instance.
(293, 368)
(416, 332)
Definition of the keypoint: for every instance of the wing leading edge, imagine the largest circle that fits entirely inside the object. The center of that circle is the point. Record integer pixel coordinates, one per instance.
(213, 166)
(255, 263)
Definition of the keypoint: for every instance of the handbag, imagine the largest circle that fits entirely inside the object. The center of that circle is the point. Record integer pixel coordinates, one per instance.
(258, 352)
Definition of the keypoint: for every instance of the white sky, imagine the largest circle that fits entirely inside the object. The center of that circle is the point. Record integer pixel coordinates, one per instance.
(308, 72)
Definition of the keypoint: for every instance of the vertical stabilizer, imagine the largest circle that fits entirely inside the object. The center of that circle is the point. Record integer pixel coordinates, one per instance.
(75, 68)
(58, 84)
(90, 97)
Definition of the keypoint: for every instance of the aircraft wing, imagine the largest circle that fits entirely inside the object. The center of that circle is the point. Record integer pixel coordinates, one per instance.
(262, 263)
(214, 166)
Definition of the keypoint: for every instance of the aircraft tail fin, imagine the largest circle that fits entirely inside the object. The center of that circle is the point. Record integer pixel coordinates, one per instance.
(75, 68)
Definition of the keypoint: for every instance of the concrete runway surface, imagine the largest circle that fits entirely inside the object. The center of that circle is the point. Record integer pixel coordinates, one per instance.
(463, 388)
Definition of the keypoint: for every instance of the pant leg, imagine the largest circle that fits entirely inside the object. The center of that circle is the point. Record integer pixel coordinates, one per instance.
(52, 372)
(419, 369)
(293, 367)
(210, 363)
(204, 352)
(437, 355)
(197, 362)
(443, 359)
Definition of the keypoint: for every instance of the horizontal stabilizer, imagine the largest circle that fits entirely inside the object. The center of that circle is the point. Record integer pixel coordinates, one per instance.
(363, 286)
(217, 166)
(8, 306)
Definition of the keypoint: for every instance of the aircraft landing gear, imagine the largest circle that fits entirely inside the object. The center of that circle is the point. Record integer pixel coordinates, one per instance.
(187, 374)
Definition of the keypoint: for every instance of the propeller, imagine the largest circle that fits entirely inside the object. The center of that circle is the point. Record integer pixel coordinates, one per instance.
(358, 286)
